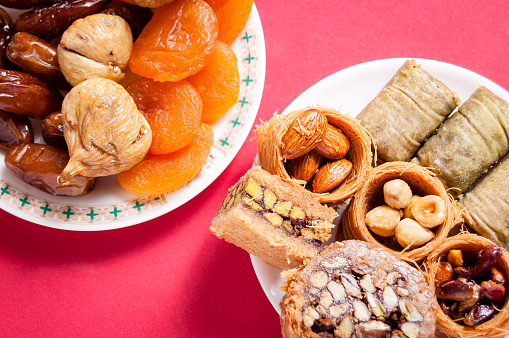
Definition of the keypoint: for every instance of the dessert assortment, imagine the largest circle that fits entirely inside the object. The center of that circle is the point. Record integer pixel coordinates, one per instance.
(397, 266)
(63, 63)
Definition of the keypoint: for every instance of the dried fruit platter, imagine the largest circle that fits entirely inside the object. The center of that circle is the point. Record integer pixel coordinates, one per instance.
(109, 206)
(349, 91)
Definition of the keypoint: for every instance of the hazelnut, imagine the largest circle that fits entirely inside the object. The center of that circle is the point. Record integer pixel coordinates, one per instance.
(382, 220)
(429, 211)
(407, 211)
(410, 233)
(98, 45)
(397, 193)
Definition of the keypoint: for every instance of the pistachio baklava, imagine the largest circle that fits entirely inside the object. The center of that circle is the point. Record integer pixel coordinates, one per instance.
(280, 223)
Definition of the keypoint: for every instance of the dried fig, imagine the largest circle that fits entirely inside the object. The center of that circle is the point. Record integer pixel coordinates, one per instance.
(97, 46)
(104, 131)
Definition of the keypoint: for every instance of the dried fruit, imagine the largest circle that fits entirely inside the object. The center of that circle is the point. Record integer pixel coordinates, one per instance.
(444, 272)
(96, 46)
(136, 17)
(177, 42)
(104, 131)
(397, 193)
(48, 21)
(304, 167)
(334, 144)
(479, 314)
(173, 110)
(487, 260)
(53, 130)
(218, 83)
(5, 35)
(331, 175)
(411, 234)
(455, 257)
(14, 130)
(24, 4)
(24, 94)
(37, 57)
(158, 174)
(305, 131)
(232, 16)
(457, 290)
(497, 276)
(429, 211)
(39, 165)
(383, 220)
(493, 291)
(149, 3)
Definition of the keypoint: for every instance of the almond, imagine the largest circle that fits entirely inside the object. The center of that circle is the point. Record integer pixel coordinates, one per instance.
(334, 144)
(305, 166)
(331, 175)
(305, 131)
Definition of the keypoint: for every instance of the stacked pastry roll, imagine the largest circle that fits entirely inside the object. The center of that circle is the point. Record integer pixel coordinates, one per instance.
(469, 142)
(406, 112)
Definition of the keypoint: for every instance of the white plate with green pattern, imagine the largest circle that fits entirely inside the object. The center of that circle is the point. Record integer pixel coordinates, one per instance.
(109, 206)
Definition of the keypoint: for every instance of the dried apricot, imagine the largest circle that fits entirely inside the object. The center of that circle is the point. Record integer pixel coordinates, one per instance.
(218, 83)
(157, 174)
(178, 41)
(173, 111)
(232, 16)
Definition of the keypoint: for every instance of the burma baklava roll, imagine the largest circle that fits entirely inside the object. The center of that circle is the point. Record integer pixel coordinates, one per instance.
(469, 142)
(486, 206)
(406, 112)
(279, 223)
(357, 289)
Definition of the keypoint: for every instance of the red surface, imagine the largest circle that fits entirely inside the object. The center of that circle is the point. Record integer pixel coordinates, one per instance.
(170, 277)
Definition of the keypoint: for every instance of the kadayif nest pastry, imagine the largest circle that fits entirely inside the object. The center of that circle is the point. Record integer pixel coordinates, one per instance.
(357, 289)
(279, 223)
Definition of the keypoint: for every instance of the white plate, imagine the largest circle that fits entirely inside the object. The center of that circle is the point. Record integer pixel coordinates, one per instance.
(350, 90)
(109, 206)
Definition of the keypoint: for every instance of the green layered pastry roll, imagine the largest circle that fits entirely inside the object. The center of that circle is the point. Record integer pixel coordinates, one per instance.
(469, 142)
(486, 206)
(406, 112)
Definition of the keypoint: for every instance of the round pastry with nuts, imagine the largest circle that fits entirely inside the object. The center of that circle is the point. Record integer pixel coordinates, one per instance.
(354, 288)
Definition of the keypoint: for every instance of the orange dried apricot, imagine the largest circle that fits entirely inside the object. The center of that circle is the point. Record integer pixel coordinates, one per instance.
(178, 41)
(157, 174)
(173, 111)
(232, 16)
(218, 83)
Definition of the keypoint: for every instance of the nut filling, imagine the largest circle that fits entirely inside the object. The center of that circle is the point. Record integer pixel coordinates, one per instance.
(343, 301)
(281, 213)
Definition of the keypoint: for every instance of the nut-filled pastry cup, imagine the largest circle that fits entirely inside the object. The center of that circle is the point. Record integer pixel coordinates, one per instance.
(270, 143)
(279, 223)
(472, 247)
(357, 289)
(370, 195)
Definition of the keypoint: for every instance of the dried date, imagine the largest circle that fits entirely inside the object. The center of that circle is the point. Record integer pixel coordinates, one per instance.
(5, 35)
(50, 21)
(25, 4)
(37, 57)
(14, 130)
(53, 130)
(40, 164)
(137, 17)
(24, 94)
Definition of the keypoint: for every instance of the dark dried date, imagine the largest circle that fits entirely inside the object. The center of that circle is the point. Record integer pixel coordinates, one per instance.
(25, 4)
(50, 21)
(5, 35)
(53, 130)
(40, 164)
(137, 17)
(37, 57)
(24, 94)
(14, 130)
(487, 260)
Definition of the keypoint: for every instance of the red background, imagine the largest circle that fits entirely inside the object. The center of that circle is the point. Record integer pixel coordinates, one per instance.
(170, 277)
